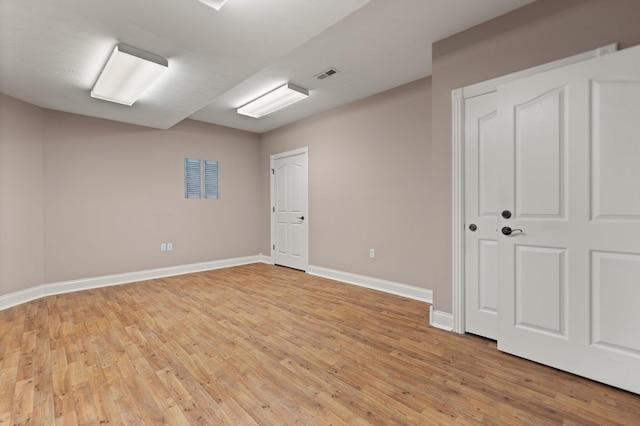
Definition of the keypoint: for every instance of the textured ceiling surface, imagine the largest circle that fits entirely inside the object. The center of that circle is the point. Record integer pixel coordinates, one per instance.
(51, 52)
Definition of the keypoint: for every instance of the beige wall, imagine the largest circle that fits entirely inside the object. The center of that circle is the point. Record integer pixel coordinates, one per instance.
(21, 186)
(380, 172)
(538, 33)
(114, 192)
(106, 194)
(82, 197)
(368, 184)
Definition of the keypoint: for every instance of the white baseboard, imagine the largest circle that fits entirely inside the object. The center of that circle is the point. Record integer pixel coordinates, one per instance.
(398, 289)
(441, 320)
(13, 299)
(27, 295)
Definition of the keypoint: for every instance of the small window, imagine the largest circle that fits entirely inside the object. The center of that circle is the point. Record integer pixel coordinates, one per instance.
(211, 180)
(192, 178)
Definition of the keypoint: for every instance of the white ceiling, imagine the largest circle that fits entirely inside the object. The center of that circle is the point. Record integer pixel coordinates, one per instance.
(51, 52)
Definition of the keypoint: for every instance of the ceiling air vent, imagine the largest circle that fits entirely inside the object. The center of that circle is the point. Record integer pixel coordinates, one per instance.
(326, 73)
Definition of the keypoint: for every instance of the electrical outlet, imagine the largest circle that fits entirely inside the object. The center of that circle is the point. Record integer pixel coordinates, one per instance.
(163, 247)
(169, 246)
(372, 253)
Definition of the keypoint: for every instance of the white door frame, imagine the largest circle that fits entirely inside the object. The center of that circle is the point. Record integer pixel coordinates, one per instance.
(458, 97)
(273, 158)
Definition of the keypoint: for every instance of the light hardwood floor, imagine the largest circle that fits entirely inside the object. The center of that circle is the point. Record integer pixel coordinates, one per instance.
(260, 344)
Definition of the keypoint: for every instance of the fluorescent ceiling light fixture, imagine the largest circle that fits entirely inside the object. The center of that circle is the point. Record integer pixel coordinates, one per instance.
(216, 4)
(129, 72)
(279, 98)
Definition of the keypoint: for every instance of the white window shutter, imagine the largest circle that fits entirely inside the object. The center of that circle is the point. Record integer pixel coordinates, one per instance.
(192, 178)
(211, 180)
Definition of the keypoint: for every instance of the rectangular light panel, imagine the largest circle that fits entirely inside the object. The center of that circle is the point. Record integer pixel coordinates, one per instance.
(216, 4)
(129, 72)
(276, 99)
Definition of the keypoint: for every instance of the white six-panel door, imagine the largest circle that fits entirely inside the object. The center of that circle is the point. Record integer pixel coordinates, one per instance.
(481, 215)
(569, 273)
(289, 209)
(481, 165)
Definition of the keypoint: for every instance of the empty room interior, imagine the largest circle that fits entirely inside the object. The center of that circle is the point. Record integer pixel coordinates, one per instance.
(341, 212)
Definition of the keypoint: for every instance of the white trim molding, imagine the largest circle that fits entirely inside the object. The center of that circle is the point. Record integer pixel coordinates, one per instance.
(458, 97)
(404, 290)
(33, 293)
(492, 85)
(441, 320)
(457, 105)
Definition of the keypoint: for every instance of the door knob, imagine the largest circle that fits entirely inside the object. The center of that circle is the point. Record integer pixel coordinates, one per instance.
(472, 227)
(508, 231)
(301, 217)
(506, 214)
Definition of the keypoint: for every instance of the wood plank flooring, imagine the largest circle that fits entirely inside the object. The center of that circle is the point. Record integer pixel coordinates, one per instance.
(265, 345)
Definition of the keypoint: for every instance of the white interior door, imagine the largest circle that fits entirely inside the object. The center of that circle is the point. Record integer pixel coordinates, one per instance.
(475, 124)
(569, 281)
(289, 229)
(481, 215)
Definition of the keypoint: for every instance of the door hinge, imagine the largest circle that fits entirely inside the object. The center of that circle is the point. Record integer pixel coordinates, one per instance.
(274, 246)
(273, 209)
(273, 171)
